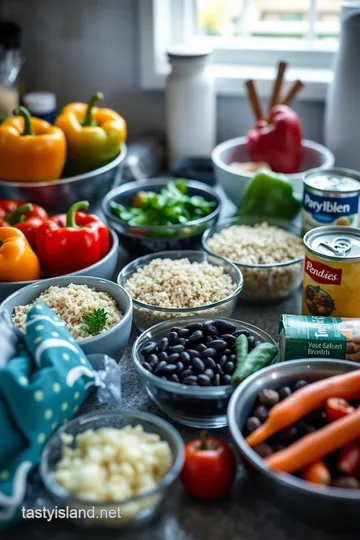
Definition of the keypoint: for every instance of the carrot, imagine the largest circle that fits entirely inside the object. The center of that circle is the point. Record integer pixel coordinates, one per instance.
(316, 445)
(304, 401)
(317, 473)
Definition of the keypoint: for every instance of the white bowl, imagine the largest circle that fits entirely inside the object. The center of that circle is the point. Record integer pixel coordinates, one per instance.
(234, 182)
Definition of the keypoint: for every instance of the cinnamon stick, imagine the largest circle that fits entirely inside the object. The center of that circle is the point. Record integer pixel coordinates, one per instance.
(254, 99)
(276, 90)
(292, 92)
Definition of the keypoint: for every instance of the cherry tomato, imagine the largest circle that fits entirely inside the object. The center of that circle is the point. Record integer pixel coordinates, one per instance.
(337, 408)
(209, 468)
(349, 460)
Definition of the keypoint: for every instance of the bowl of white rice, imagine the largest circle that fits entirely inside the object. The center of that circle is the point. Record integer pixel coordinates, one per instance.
(74, 299)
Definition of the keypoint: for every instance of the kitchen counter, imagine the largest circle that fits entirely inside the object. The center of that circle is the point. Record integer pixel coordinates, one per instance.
(244, 515)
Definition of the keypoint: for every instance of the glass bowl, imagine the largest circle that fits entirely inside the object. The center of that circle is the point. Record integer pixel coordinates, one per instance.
(195, 406)
(136, 510)
(263, 282)
(146, 315)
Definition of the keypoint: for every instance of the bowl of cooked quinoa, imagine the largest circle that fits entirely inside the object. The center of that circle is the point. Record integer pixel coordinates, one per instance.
(96, 312)
(174, 284)
(269, 253)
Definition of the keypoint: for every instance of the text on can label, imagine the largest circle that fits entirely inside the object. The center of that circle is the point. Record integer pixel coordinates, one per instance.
(322, 273)
(319, 204)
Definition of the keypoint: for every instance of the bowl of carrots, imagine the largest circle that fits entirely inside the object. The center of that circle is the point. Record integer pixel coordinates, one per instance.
(296, 426)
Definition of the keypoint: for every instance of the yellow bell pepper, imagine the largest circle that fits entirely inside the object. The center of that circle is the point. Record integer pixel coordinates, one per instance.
(94, 136)
(31, 149)
(18, 262)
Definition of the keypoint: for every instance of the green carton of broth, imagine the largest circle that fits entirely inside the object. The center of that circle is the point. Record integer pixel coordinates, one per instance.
(303, 336)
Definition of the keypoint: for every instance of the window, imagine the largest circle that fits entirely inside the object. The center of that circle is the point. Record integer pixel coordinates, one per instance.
(249, 37)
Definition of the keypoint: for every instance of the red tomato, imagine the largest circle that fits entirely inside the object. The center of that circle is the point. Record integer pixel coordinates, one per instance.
(337, 408)
(209, 468)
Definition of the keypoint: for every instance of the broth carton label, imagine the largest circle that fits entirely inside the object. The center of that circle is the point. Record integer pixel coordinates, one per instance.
(302, 336)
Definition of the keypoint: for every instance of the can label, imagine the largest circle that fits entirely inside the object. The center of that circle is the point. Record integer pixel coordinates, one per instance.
(321, 210)
(331, 288)
(316, 337)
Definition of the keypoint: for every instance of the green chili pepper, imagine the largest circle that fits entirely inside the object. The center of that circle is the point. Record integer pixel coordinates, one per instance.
(270, 195)
(241, 351)
(258, 358)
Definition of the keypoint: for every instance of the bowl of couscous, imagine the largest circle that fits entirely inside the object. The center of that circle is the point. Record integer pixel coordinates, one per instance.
(96, 312)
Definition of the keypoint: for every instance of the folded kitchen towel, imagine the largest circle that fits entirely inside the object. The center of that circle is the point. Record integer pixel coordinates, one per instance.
(44, 378)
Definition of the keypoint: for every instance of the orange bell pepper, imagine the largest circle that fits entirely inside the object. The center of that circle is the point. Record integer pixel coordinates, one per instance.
(94, 136)
(31, 150)
(18, 262)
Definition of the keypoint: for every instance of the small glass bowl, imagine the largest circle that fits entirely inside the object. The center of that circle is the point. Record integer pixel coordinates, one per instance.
(146, 315)
(194, 406)
(263, 282)
(133, 511)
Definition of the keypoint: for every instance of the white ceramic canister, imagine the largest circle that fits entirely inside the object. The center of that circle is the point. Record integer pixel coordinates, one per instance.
(190, 104)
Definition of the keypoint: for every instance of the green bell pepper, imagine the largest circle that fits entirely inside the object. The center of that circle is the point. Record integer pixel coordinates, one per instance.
(270, 195)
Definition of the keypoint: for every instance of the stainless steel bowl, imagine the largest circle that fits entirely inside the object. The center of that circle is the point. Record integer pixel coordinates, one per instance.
(325, 507)
(58, 195)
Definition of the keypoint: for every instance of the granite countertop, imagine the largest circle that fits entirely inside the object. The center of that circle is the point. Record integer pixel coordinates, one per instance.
(244, 515)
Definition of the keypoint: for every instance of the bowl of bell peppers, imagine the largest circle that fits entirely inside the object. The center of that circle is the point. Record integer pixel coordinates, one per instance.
(78, 158)
(34, 246)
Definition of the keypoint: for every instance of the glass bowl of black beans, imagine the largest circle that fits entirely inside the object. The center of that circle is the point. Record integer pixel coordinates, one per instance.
(186, 365)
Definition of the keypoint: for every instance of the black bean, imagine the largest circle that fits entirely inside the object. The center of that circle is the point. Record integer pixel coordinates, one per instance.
(218, 344)
(163, 377)
(288, 434)
(227, 352)
(169, 369)
(196, 337)
(232, 358)
(226, 326)
(149, 348)
(222, 360)
(147, 366)
(152, 358)
(229, 338)
(176, 329)
(261, 413)
(184, 333)
(162, 356)
(252, 423)
(219, 369)
(187, 372)
(284, 392)
(185, 357)
(198, 364)
(251, 342)
(193, 327)
(300, 384)
(160, 367)
(268, 397)
(229, 368)
(209, 362)
(317, 418)
(190, 379)
(208, 339)
(209, 372)
(163, 344)
(209, 352)
(154, 362)
(208, 323)
(201, 348)
(346, 482)
(304, 428)
(173, 337)
(204, 380)
(278, 447)
(182, 341)
(173, 358)
(193, 353)
(174, 378)
(264, 450)
(217, 379)
(257, 343)
(227, 379)
(240, 332)
(176, 349)
(179, 367)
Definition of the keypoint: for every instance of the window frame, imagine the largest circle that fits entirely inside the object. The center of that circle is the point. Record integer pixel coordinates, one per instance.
(166, 22)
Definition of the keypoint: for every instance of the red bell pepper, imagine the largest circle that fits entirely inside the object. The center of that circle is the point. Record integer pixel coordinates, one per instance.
(69, 242)
(277, 140)
(22, 215)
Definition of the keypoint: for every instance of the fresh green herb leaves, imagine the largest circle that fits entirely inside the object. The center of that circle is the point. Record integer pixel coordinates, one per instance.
(95, 321)
(172, 206)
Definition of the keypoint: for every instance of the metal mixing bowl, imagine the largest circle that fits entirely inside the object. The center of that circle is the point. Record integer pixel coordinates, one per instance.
(58, 195)
(325, 506)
